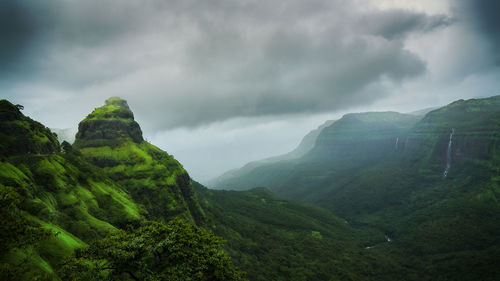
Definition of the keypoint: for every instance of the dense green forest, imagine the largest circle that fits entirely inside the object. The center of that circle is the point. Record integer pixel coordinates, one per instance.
(398, 197)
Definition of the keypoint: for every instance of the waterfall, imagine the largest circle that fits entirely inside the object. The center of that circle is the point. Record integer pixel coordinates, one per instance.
(406, 142)
(448, 154)
(397, 140)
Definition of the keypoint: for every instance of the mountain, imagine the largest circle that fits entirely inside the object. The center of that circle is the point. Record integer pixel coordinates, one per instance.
(422, 191)
(438, 197)
(306, 144)
(355, 140)
(423, 112)
(110, 138)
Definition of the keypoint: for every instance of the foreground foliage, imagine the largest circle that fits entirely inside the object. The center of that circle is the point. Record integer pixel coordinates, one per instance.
(155, 251)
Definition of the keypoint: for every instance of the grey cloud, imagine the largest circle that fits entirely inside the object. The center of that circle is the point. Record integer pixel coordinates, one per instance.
(396, 24)
(198, 62)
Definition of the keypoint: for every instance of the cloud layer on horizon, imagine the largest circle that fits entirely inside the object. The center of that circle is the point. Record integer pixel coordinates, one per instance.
(198, 62)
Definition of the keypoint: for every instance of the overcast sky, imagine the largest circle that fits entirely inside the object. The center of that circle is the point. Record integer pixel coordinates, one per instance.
(223, 82)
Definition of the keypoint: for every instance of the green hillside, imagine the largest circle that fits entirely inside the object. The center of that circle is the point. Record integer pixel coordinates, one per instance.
(45, 189)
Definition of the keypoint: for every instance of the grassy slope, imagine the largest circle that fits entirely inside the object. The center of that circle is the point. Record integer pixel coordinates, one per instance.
(61, 192)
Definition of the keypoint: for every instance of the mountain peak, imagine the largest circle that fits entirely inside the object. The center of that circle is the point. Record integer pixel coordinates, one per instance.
(117, 101)
(111, 124)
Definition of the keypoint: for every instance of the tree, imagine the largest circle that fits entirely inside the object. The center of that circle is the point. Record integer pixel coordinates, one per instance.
(156, 251)
(66, 146)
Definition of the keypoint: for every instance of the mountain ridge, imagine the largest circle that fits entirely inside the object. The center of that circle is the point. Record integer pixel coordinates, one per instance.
(432, 188)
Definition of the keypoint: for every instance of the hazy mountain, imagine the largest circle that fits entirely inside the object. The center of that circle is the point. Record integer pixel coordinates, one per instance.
(306, 144)
(422, 112)
(354, 140)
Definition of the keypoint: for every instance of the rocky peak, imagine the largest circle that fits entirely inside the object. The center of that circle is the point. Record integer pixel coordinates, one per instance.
(116, 101)
(109, 125)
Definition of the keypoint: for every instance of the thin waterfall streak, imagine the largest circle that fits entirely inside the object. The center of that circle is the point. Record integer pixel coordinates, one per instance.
(448, 154)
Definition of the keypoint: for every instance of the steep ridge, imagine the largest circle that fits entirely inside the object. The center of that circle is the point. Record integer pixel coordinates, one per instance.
(111, 139)
(46, 191)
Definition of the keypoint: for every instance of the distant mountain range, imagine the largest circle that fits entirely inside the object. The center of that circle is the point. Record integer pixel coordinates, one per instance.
(430, 184)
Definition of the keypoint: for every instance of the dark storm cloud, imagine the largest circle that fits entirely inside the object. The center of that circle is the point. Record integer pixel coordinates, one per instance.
(484, 14)
(16, 31)
(198, 62)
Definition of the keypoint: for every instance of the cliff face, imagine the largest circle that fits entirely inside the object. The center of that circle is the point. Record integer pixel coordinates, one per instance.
(362, 136)
(111, 139)
(110, 125)
(464, 132)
